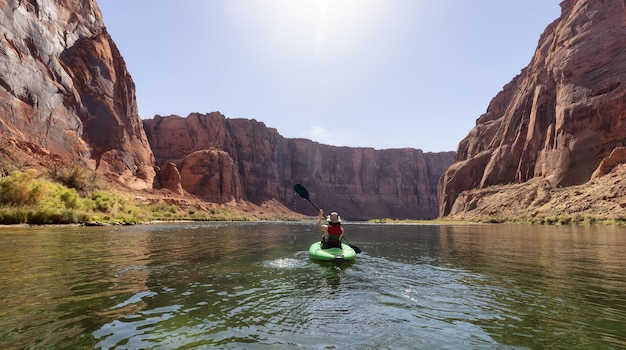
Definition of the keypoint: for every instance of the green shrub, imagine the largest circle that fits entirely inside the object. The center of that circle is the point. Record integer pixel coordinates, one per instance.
(12, 215)
(21, 189)
(69, 197)
(72, 196)
(79, 178)
(107, 202)
(47, 216)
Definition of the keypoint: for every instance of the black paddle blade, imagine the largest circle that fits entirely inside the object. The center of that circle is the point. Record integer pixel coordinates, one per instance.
(301, 191)
(355, 248)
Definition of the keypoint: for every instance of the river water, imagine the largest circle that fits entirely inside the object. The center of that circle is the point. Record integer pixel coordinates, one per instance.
(252, 286)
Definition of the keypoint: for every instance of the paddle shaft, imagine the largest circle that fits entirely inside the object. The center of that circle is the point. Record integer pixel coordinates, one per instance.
(302, 192)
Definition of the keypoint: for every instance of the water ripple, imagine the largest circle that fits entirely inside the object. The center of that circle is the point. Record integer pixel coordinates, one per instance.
(253, 286)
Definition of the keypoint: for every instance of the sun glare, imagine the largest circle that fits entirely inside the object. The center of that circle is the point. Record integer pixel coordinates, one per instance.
(303, 27)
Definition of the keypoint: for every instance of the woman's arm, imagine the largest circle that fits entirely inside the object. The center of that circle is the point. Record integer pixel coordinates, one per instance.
(319, 218)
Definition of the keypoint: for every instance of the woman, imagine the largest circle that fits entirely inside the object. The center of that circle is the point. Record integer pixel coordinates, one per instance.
(333, 232)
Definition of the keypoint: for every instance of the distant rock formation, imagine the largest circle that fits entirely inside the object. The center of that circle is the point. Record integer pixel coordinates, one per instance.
(65, 90)
(212, 175)
(561, 119)
(226, 160)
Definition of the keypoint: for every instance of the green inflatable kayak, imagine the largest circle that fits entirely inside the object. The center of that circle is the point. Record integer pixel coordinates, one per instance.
(331, 254)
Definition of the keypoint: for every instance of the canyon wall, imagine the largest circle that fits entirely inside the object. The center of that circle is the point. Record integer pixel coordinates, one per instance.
(234, 160)
(559, 124)
(65, 94)
(67, 99)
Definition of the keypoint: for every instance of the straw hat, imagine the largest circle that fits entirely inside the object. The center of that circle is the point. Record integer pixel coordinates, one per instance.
(334, 218)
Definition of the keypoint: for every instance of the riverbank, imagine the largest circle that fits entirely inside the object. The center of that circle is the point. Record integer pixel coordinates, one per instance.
(76, 197)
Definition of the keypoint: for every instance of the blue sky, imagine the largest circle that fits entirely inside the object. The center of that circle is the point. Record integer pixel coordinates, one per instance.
(359, 73)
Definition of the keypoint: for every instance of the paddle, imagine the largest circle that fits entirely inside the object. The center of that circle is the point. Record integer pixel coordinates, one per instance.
(302, 192)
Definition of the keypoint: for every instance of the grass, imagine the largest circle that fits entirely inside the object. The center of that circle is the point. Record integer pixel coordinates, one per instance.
(74, 196)
(543, 219)
(560, 219)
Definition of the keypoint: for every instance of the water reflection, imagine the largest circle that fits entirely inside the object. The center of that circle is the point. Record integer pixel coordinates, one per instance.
(551, 280)
(330, 273)
(252, 285)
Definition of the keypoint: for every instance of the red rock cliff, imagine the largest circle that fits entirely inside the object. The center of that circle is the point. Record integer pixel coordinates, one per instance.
(65, 90)
(561, 120)
(261, 165)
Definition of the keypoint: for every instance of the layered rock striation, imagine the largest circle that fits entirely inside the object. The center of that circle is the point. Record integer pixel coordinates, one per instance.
(236, 160)
(561, 120)
(65, 91)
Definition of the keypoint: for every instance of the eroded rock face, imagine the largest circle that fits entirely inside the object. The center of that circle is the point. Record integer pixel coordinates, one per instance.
(562, 119)
(211, 175)
(168, 177)
(358, 182)
(64, 87)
